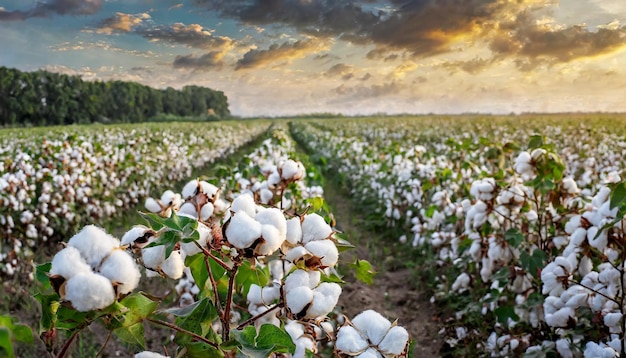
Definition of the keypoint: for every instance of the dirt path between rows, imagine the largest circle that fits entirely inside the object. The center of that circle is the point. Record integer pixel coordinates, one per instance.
(393, 293)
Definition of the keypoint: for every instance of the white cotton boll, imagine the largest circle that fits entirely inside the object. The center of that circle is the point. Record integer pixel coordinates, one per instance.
(243, 230)
(298, 298)
(296, 253)
(350, 341)
(274, 217)
(372, 324)
(585, 266)
(152, 205)
(594, 350)
(293, 230)
(578, 236)
(370, 353)
(606, 211)
(561, 317)
(302, 345)
(190, 189)
(266, 196)
(569, 185)
(612, 320)
(254, 294)
(291, 170)
(153, 257)
(188, 209)
(532, 216)
(167, 197)
(146, 354)
(272, 241)
(577, 300)
(190, 248)
(302, 278)
(596, 238)
(174, 266)
(537, 153)
(94, 244)
(269, 294)
(560, 241)
(244, 203)
(325, 297)
(315, 228)
(273, 179)
(601, 197)
(120, 267)
(294, 329)
(136, 232)
(221, 205)
(564, 349)
(395, 341)
(572, 224)
(461, 283)
(68, 262)
(324, 249)
(207, 211)
(207, 188)
(89, 291)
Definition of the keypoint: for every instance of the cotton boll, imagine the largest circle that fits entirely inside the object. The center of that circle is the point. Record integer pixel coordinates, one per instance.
(89, 291)
(315, 228)
(167, 198)
(153, 257)
(302, 278)
(395, 341)
(597, 238)
(612, 320)
(146, 354)
(373, 324)
(243, 230)
(119, 267)
(138, 236)
(244, 203)
(564, 349)
(188, 209)
(274, 217)
(207, 188)
(572, 224)
(272, 241)
(292, 170)
(324, 249)
(68, 262)
(266, 196)
(204, 236)
(561, 317)
(293, 231)
(207, 211)
(585, 266)
(152, 205)
(190, 189)
(295, 254)
(298, 298)
(94, 244)
(174, 266)
(350, 341)
(325, 297)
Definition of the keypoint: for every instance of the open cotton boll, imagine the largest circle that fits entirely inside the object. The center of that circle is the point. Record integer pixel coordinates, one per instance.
(461, 283)
(152, 205)
(266, 196)
(174, 266)
(274, 217)
(190, 248)
(188, 209)
(207, 211)
(325, 297)
(395, 341)
(292, 170)
(372, 324)
(302, 278)
(273, 179)
(243, 230)
(272, 242)
(315, 228)
(190, 189)
(146, 354)
(94, 244)
(89, 291)
(350, 341)
(153, 257)
(298, 298)
(68, 262)
(168, 197)
(244, 203)
(296, 253)
(561, 317)
(207, 188)
(294, 230)
(370, 353)
(120, 267)
(324, 249)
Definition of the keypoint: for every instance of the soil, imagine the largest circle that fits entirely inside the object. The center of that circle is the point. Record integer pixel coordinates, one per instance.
(394, 292)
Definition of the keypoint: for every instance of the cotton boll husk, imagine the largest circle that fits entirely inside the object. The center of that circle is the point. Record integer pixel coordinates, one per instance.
(298, 298)
(325, 298)
(244, 203)
(274, 217)
(315, 228)
(188, 209)
(174, 266)
(293, 231)
(350, 341)
(133, 234)
(94, 244)
(207, 211)
(395, 341)
(152, 205)
(89, 291)
(272, 238)
(190, 189)
(120, 267)
(243, 230)
(324, 249)
(372, 324)
(68, 262)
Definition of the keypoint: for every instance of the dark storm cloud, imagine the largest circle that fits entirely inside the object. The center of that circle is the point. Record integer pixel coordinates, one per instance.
(206, 62)
(422, 28)
(54, 7)
(286, 51)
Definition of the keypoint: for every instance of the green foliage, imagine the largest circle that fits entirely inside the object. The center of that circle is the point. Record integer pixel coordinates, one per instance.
(10, 332)
(363, 271)
(269, 339)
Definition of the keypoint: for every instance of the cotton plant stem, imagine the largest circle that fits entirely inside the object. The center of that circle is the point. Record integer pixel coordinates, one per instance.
(105, 344)
(226, 313)
(252, 319)
(218, 305)
(182, 330)
(68, 343)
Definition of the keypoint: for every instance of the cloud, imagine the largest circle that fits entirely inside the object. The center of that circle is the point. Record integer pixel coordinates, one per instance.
(342, 70)
(53, 7)
(206, 62)
(365, 92)
(121, 23)
(401, 71)
(285, 51)
(193, 35)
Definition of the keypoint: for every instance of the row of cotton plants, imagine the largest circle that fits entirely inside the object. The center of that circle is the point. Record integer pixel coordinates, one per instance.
(259, 271)
(53, 183)
(527, 234)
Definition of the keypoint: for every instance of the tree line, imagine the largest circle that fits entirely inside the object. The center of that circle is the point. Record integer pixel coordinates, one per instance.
(46, 98)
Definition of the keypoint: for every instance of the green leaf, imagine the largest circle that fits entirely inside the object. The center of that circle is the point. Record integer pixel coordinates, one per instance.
(49, 304)
(201, 350)
(618, 198)
(155, 221)
(364, 271)
(133, 334)
(199, 321)
(533, 263)
(536, 141)
(342, 244)
(248, 275)
(139, 308)
(514, 237)
(6, 345)
(19, 332)
(504, 313)
(274, 338)
(41, 275)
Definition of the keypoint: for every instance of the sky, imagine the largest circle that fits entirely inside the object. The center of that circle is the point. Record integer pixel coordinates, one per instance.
(286, 57)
